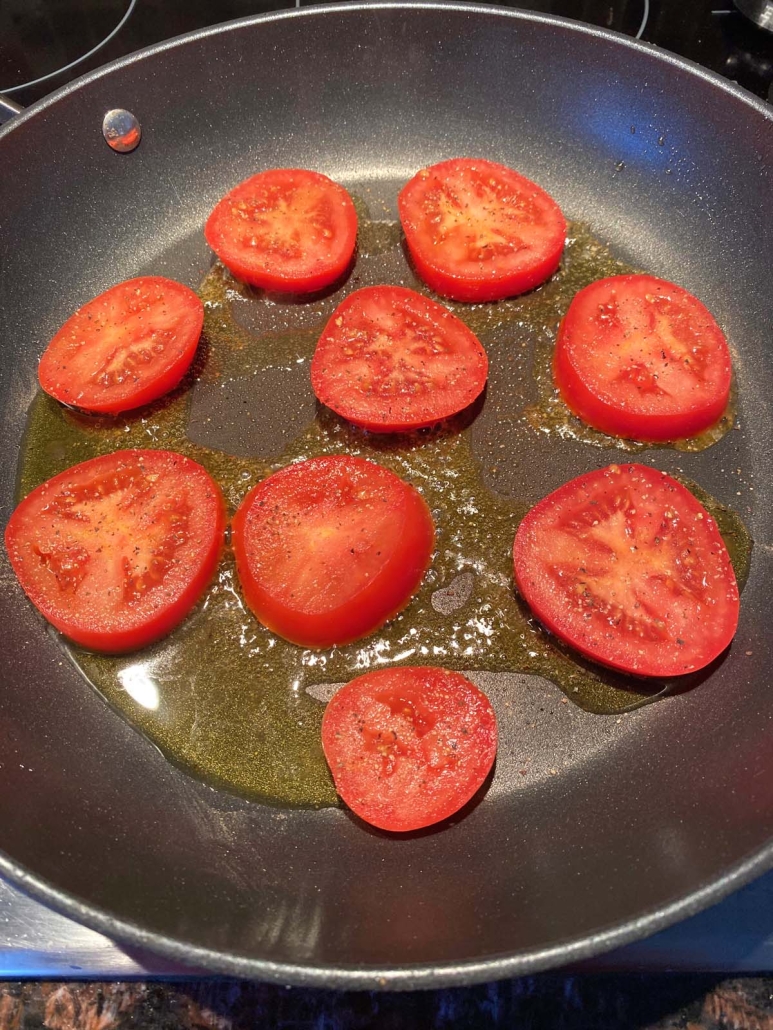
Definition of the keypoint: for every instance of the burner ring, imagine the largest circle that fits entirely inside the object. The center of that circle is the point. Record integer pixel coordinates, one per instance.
(644, 19)
(78, 60)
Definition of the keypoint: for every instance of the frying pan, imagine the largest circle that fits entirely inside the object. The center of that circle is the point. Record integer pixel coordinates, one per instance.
(651, 817)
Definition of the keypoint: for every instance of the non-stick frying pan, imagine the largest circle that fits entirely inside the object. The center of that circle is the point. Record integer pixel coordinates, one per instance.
(651, 817)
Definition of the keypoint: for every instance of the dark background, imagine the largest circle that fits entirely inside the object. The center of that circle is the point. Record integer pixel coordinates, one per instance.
(39, 36)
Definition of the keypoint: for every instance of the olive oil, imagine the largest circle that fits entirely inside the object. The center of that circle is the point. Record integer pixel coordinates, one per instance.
(222, 696)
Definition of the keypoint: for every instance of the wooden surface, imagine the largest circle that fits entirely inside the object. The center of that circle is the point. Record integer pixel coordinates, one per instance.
(550, 1002)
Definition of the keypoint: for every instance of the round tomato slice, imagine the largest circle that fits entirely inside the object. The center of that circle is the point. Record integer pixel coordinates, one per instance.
(117, 550)
(127, 347)
(330, 548)
(409, 747)
(392, 360)
(640, 357)
(628, 567)
(480, 231)
(286, 230)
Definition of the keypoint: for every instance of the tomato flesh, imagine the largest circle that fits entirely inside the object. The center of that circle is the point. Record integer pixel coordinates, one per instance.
(479, 231)
(629, 568)
(117, 550)
(330, 548)
(409, 747)
(640, 357)
(287, 230)
(125, 348)
(392, 360)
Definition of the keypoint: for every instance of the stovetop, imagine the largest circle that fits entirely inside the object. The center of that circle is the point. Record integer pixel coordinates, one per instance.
(37, 41)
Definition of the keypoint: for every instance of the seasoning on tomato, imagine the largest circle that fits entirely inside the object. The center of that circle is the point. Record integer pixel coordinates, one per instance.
(286, 230)
(329, 549)
(125, 348)
(410, 746)
(116, 551)
(640, 357)
(392, 360)
(479, 231)
(626, 566)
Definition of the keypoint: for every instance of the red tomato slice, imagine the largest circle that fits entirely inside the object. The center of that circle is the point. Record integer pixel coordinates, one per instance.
(409, 747)
(640, 357)
(117, 550)
(286, 230)
(128, 346)
(330, 548)
(392, 360)
(480, 231)
(628, 567)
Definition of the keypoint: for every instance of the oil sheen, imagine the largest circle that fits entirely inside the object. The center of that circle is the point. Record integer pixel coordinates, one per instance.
(224, 698)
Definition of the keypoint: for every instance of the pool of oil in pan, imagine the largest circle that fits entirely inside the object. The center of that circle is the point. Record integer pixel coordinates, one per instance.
(223, 697)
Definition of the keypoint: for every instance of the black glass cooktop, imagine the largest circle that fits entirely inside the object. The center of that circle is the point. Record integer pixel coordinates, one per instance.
(39, 37)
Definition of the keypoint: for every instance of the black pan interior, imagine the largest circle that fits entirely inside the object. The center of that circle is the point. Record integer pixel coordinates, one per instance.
(651, 816)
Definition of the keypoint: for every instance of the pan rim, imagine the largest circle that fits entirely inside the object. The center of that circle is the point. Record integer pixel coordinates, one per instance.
(200, 960)
(395, 977)
(320, 10)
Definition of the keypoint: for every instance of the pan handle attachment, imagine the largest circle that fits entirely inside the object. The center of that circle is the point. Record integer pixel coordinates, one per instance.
(8, 108)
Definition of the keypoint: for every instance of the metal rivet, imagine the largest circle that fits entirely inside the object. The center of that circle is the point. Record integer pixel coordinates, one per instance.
(121, 130)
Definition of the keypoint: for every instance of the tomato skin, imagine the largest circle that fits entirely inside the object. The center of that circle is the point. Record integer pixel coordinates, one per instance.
(116, 551)
(250, 230)
(626, 566)
(329, 549)
(640, 357)
(514, 216)
(154, 322)
(432, 367)
(410, 746)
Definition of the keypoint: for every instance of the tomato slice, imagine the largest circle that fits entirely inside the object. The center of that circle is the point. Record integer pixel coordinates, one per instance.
(117, 550)
(392, 360)
(286, 230)
(479, 231)
(640, 357)
(628, 567)
(409, 747)
(330, 548)
(127, 347)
